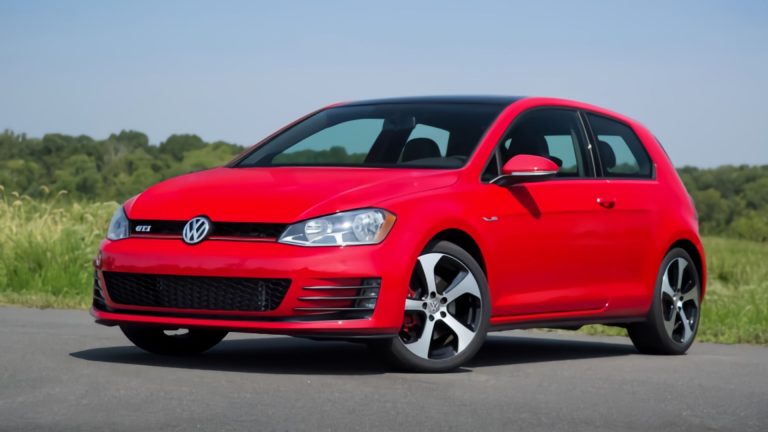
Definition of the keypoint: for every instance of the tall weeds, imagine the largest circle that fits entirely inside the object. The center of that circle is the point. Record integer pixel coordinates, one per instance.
(46, 247)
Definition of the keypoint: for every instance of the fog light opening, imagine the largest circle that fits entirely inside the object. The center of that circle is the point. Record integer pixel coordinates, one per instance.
(370, 292)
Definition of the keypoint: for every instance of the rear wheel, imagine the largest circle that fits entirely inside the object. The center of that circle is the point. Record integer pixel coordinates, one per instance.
(673, 320)
(446, 311)
(173, 342)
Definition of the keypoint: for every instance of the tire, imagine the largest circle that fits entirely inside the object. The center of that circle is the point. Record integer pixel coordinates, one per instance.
(673, 319)
(157, 341)
(455, 309)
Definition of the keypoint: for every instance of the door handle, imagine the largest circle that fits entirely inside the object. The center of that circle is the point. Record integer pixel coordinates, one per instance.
(607, 203)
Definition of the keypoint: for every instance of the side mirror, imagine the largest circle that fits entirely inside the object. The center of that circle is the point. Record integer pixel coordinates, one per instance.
(526, 168)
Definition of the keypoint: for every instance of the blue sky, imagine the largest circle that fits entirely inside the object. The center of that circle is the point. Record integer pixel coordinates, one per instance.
(695, 72)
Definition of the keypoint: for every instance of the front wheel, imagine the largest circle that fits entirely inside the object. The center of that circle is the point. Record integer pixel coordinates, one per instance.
(673, 320)
(446, 311)
(177, 342)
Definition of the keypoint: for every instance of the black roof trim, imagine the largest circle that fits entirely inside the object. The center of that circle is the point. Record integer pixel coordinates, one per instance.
(468, 99)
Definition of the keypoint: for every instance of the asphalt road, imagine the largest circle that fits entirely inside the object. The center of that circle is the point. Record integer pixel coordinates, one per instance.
(59, 371)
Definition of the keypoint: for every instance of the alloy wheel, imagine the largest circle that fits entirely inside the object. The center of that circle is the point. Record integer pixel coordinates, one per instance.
(443, 310)
(680, 301)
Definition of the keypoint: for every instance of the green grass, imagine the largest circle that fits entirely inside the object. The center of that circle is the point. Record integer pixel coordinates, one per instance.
(46, 248)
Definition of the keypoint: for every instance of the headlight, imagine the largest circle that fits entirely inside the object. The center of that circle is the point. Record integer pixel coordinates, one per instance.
(118, 228)
(357, 227)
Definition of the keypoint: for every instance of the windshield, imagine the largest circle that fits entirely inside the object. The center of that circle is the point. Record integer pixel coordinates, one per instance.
(386, 135)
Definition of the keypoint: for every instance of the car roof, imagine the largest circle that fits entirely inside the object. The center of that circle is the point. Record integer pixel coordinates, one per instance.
(467, 99)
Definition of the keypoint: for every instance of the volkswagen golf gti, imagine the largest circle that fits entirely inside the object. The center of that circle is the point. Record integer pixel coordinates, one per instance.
(415, 225)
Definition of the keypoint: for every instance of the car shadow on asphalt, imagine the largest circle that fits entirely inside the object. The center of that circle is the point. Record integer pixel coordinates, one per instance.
(510, 350)
(285, 355)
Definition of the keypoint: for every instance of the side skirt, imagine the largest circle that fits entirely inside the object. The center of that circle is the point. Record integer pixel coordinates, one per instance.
(565, 324)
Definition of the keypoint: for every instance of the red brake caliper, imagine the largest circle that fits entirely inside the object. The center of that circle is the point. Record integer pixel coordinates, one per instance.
(408, 320)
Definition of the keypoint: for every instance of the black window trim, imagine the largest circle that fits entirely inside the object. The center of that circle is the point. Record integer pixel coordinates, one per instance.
(593, 145)
(591, 164)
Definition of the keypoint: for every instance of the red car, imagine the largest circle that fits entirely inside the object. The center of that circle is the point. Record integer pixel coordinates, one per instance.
(416, 225)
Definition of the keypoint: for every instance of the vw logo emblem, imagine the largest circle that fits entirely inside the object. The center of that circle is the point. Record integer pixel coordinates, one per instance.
(433, 307)
(196, 230)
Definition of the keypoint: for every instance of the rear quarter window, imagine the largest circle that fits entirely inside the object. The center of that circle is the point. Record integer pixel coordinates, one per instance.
(621, 153)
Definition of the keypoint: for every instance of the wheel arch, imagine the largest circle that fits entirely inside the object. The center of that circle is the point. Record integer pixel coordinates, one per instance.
(697, 256)
(463, 240)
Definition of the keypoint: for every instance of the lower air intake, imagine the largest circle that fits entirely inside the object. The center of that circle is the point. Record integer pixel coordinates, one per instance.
(195, 292)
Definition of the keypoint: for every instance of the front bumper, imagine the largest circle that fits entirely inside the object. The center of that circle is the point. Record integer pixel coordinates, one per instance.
(298, 313)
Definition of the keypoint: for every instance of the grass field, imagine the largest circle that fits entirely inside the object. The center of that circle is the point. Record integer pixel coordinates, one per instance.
(46, 248)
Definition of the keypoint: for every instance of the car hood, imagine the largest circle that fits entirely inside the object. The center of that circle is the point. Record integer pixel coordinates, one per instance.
(279, 194)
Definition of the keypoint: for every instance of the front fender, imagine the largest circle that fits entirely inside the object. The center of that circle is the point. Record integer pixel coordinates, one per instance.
(423, 217)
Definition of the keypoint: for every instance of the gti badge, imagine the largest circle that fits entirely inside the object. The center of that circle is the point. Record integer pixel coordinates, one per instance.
(196, 230)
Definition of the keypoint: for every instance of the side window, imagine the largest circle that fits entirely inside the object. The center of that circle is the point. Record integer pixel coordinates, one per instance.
(552, 133)
(564, 148)
(620, 150)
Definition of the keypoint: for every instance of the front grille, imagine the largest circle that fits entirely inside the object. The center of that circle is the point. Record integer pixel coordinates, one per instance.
(195, 292)
(247, 230)
(157, 227)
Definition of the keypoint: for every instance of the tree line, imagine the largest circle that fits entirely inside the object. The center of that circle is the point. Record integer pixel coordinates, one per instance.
(731, 200)
(111, 169)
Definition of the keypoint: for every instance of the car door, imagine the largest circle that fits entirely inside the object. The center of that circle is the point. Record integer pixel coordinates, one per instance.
(547, 233)
(631, 194)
